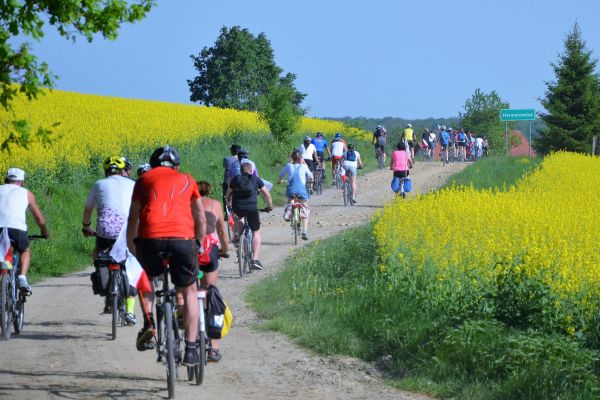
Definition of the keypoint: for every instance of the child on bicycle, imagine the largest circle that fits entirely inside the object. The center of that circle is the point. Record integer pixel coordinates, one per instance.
(298, 174)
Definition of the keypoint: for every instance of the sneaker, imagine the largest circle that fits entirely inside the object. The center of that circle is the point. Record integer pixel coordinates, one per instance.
(214, 355)
(144, 338)
(130, 319)
(107, 306)
(191, 357)
(304, 236)
(354, 201)
(255, 264)
(24, 285)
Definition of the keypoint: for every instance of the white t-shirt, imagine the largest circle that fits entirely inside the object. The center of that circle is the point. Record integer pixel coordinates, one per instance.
(479, 143)
(112, 198)
(307, 152)
(13, 206)
(337, 149)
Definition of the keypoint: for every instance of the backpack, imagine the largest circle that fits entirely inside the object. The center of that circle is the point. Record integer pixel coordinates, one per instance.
(351, 155)
(215, 313)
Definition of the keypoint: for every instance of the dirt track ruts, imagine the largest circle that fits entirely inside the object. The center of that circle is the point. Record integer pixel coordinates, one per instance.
(65, 351)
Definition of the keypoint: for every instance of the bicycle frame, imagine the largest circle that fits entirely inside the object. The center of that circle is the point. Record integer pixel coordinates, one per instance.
(295, 222)
(244, 249)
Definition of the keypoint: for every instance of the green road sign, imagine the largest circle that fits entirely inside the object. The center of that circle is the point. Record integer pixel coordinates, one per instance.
(509, 114)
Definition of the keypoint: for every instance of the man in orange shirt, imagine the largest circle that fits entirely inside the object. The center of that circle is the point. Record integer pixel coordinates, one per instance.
(167, 216)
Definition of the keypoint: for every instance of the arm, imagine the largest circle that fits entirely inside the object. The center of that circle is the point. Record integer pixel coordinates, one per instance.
(267, 196)
(360, 163)
(228, 196)
(37, 214)
(221, 227)
(410, 162)
(199, 219)
(87, 222)
(133, 224)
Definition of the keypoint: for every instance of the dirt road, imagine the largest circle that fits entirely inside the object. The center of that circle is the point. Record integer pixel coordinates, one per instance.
(65, 351)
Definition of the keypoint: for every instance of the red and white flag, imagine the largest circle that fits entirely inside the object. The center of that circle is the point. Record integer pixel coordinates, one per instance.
(5, 247)
(135, 273)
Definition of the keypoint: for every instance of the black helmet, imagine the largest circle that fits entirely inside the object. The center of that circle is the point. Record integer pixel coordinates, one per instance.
(143, 168)
(242, 153)
(165, 156)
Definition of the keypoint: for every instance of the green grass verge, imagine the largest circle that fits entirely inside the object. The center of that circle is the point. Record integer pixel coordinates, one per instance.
(497, 172)
(61, 196)
(334, 298)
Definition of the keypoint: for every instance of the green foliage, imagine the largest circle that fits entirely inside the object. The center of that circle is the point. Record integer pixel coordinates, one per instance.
(481, 115)
(495, 172)
(572, 101)
(280, 112)
(237, 71)
(20, 71)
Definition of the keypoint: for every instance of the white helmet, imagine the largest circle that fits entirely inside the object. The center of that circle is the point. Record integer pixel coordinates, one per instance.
(443, 127)
(409, 126)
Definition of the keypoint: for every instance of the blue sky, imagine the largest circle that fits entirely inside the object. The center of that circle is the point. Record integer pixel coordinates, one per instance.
(377, 58)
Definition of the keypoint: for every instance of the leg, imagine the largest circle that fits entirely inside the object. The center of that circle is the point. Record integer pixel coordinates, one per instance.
(24, 261)
(191, 312)
(353, 185)
(256, 244)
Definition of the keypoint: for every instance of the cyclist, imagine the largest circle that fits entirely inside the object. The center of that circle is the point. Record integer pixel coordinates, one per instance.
(15, 200)
(228, 168)
(215, 246)
(352, 162)
(167, 216)
(321, 145)
(309, 155)
(111, 197)
(444, 138)
(142, 169)
(401, 162)
(380, 140)
(242, 197)
(461, 142)
(409, 135)
(298, 174)
(338, 148)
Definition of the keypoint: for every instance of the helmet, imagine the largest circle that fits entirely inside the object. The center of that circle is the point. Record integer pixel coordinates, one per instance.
(143, 168)
(15, 174)
(443, 127)
(114, 164)
(338, 135)
(307, 138)
(242, 153)
(319, 134)
(128, 165)
(165, 156)
(351, 146)
(379, 126)
(409, 125)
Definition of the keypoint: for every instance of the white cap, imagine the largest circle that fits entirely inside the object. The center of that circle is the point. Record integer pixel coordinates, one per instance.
(15, 174)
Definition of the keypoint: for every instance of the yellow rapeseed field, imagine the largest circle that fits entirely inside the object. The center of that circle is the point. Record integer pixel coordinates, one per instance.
(546, 227)
(93, 125)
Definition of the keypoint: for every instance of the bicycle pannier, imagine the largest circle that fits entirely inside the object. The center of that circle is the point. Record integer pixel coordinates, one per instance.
(407, 185)
(215, 313)
(100, 280)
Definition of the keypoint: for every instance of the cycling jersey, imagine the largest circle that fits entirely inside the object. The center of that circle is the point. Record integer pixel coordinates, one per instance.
(444, 137)
(337, 148)
(165, 196)
(112, 198)
(13, 206)
(307, 151)
(408, 134)
(320, 144)
(400, 160)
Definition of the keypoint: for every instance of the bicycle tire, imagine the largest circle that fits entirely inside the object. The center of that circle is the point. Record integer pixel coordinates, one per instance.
(20, 316)
(6, 304)
(295, 223)
(115, 287)
(229, 233)
(345, 194)
(241, 255)
(170, 348)
(199, 369)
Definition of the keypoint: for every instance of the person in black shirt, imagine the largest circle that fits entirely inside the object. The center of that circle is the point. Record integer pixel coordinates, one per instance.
(242, 197)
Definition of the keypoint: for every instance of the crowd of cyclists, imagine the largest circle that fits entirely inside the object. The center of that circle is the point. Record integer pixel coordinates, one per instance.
(165, 211)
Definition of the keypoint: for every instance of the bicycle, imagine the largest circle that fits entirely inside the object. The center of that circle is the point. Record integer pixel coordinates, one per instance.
(319, 177)
(168, 340)
(244, 248)
(117, 288)
(12, 300)
(347, 192)
(295, 221)
(337, 174)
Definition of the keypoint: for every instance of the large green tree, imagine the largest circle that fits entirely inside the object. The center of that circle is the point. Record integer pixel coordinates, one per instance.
(572, 101)
(482, 116)
(237, 71)
(20, 69)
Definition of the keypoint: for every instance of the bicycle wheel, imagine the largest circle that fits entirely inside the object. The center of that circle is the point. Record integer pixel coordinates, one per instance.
(170, 348)
(241, 250)
(345, 194)
(295, 222)
(199, 369)
(20, 316)
(115, 288)
(6, 304)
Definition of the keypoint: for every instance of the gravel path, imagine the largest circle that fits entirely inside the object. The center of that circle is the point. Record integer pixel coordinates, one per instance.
(65, 351)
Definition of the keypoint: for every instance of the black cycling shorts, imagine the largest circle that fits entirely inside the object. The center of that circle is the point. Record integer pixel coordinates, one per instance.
(214, 260)
(309, 164)
(183, 259)
(253, 218)
(400, 174)
(380, 146)
(18, 239)
(104, 243)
